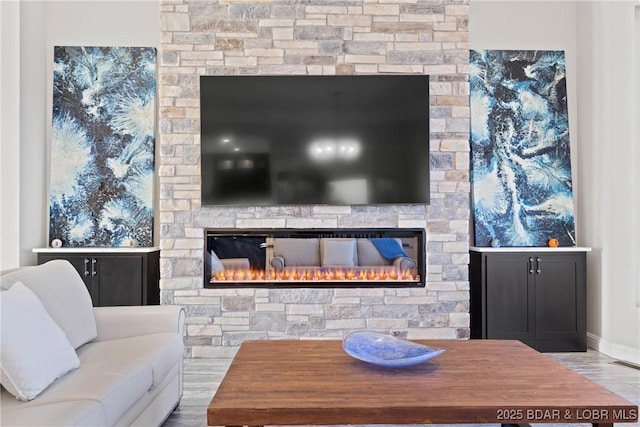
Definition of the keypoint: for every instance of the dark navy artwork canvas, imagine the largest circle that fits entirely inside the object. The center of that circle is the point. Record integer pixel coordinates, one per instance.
(520, 155)
(102, 146)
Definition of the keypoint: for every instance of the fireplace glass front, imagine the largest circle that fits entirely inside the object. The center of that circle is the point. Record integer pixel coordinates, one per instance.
(288, 258)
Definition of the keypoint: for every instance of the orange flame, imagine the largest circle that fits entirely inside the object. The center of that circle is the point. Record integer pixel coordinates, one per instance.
(370, 274)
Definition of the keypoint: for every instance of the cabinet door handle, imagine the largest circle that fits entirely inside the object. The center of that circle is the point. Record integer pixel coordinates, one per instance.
(530, 265)
(93, 267)
(86, 266)
(538, 264)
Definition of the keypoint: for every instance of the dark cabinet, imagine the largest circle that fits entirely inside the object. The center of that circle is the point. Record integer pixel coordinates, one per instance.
(538, 298)
(114, 278)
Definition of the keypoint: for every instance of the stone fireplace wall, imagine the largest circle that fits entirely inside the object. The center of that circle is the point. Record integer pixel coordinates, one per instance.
(314, 37)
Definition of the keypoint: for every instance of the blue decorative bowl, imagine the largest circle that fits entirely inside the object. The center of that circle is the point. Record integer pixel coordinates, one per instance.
(386, 350)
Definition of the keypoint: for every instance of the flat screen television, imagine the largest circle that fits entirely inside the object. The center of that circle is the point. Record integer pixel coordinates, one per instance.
(338, 140)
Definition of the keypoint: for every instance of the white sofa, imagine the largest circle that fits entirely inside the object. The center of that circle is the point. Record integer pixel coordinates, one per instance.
(352, 253)
(128, 369)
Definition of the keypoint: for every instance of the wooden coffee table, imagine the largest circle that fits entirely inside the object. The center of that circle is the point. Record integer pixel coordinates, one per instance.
(476, 381)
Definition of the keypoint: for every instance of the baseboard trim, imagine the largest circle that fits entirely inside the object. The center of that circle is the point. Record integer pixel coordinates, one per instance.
(613, 350)
(627, 364)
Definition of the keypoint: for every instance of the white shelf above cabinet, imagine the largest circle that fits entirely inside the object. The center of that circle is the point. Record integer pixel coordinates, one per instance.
(530, 249)
(94, 250)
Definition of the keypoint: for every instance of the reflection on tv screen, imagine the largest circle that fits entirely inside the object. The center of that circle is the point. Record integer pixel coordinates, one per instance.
(343, 140)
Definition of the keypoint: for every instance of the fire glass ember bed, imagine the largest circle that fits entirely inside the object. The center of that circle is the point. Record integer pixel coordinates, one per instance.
(290, 258)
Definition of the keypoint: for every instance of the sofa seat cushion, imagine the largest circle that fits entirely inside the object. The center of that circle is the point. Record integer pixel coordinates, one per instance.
(80, 413)
(160, 352)
(116, 385)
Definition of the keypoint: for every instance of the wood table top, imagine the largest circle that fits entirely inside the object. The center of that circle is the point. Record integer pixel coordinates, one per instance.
(294, 382)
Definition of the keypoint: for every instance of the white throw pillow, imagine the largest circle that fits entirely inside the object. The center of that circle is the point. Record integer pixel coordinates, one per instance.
(34, 351)
(64, 295)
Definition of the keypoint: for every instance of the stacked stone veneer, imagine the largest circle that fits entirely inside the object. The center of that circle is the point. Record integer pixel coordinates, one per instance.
(314, 37)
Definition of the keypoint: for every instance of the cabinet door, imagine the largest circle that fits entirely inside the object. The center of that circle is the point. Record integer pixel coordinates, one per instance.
(509, 290)
(560, 296)
(82, 264)
(119, 279)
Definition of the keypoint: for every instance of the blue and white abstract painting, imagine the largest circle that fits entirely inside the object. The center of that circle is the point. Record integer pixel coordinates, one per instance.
(102, 146)
(520, 158)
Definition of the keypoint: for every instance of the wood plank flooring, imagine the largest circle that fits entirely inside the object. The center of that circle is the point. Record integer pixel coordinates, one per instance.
(202, 377)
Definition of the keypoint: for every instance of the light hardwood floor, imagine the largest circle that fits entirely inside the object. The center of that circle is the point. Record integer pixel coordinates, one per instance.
(202, 377)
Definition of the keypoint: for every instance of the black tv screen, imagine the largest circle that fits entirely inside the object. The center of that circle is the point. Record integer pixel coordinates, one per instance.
(339, 140)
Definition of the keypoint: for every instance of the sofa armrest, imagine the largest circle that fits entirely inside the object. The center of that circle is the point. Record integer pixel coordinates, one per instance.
(130, 321)
(405, 263)
(277, 262)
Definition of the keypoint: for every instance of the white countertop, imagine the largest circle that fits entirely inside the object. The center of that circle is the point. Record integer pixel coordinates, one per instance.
(530, 249)
(95, 250)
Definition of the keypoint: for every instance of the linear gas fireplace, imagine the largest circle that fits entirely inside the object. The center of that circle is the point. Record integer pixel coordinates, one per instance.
(288, 258)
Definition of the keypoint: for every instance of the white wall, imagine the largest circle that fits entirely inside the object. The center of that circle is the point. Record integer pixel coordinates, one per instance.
(598, 41)
(9, 134)
(611, 207)
(33, 126)
(637, 114)
(41, 26)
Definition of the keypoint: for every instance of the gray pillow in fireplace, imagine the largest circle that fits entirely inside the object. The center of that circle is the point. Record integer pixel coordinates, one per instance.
(338, 252)
(369, 255)
(297, 252)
